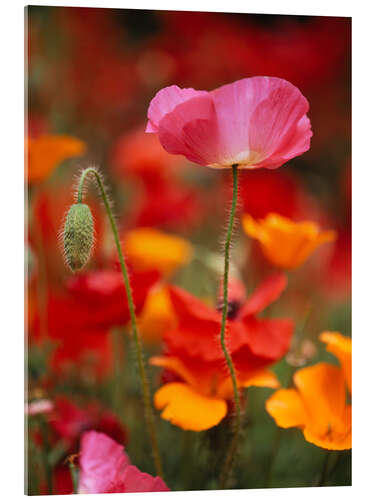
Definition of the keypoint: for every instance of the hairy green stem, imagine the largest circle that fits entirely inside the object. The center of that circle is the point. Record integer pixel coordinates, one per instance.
(141, 365)
(229, 460)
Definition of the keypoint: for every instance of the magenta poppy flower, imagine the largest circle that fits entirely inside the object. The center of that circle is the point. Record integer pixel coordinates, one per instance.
(106, 468)
(253, 123)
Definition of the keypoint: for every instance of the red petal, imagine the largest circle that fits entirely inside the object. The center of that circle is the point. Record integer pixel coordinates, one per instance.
(268, 338)
(266, 293)
(198, 330)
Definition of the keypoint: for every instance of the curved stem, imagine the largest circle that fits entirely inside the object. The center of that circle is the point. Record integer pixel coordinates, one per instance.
(133, 320)
(228, 463)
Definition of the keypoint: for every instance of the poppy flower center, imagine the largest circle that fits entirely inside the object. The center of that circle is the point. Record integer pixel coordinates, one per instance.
(233, 308)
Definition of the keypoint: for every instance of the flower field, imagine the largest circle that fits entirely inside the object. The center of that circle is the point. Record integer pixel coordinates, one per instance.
(188, 245)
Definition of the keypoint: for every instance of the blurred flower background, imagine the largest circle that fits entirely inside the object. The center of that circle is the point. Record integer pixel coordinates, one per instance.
(91, 75)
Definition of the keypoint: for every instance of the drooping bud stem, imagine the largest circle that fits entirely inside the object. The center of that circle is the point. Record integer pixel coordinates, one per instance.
(78, 236)
(141, 365)
(228, 463)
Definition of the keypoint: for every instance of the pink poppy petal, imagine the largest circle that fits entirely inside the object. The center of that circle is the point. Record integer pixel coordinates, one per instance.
(277, 124)
(136, 481)
(102, 463)
(234, 104)
(257, 116)
(191, 130)
(298, 143)
(164, 102)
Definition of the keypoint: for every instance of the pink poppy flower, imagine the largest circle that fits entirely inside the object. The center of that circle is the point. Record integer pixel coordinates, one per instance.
(106, 468)
(253, 123)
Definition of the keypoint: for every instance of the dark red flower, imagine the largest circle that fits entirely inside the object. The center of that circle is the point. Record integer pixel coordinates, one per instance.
(69, 421)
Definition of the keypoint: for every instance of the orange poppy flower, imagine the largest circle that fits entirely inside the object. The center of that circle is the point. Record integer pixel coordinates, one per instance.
(198, 402)
(341, 347)
(150, 249)
(317, 406)
(46, 152)
(285, 243)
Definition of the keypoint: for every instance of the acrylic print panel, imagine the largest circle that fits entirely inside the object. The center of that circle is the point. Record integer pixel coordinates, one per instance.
(189, 251)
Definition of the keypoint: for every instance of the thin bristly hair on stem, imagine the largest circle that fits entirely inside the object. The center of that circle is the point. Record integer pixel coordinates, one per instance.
(236, 222)
(229, 460)
(93, 172)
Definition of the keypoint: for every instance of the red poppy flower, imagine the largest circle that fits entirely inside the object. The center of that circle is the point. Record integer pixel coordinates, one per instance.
(102, 298)
(161, 198)
(168, 205)
(262, 340)
(137, 154)
(264, 191)
(69, 420)
(92, 304)
(194, 354)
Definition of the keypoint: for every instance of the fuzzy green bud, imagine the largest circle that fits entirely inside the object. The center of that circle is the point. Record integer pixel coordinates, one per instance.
(78, 236)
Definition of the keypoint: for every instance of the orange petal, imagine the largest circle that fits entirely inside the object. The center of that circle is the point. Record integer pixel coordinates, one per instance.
(175, 365)
(46, 152)
(285, 243)
(341, 347)
(310, 245)
(188, 409)
(157, 315)
(150, 249)
(322, 389)
(333, 438)
(287, 408)
(252, 228)
(261, 378)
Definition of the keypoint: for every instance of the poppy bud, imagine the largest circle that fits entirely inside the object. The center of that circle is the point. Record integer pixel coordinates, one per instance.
(78, 236)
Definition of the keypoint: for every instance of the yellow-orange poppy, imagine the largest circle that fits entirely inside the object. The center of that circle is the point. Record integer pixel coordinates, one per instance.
(149, 249)
(157, 315)
(285, 243)
(46, 152)
(199, 401)
(341, 347)
(317, 406)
